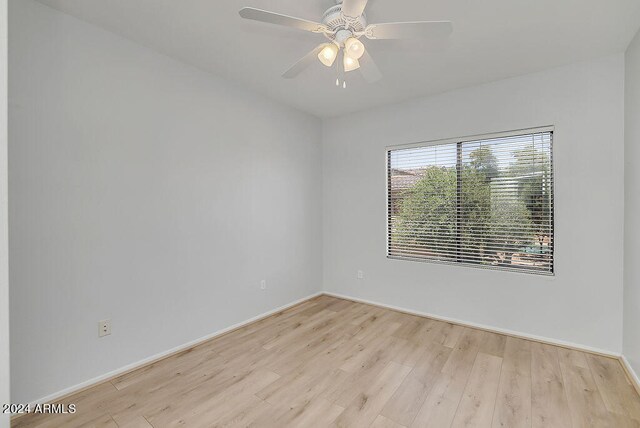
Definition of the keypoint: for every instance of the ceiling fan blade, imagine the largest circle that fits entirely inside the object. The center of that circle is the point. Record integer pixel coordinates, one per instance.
(279, 19)
(303, 62)
(353, 8)
(408, 30)
(369, 69)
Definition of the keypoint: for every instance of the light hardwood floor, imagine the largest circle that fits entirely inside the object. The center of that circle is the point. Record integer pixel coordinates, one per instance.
(333, 362)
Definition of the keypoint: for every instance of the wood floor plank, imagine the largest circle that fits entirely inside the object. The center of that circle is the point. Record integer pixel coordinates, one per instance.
(290, 335)
(429, 366)
(365, 312)
(446, 334)
(297, 388)
(90, 404)
(370, 348)
(614, 386)
(208, 378)
(549, 405)
(382, 422)
(576, 358)
(513, 402)
(465, 351)
(135, 422)
(408, 353)
(377, 325)
(183, 396)
(405, 404)
(210, 410)
(414, 329)
(318, 412)
(334, 362)
(479, 397)
(104, 421)
(167, 370)
(493, 344)
(359, 381)
(439, 409)
(366, 407)
(585, 402)
(330, 341)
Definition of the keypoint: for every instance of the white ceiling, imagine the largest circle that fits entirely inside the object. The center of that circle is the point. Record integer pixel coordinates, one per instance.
(492, 39)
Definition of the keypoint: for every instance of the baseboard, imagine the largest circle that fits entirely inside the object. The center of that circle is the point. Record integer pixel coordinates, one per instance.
(162, 355)
(633, 376)
(492, 329)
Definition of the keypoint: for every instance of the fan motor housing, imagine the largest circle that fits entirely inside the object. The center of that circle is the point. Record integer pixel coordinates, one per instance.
(335, 20)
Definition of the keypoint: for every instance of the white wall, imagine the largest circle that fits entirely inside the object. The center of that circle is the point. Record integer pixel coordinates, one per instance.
(144, 191)
(4, 275)
(632, 206)
(582, 304)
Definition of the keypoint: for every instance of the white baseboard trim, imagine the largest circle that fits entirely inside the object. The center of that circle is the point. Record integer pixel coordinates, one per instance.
(518, 334)
(633, 376)
(162, 355)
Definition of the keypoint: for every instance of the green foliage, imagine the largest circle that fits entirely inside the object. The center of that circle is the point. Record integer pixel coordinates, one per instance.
(531, 169)
(510, 227)
(428, 209)
(475, 209)
(484, 162)
(500, 211)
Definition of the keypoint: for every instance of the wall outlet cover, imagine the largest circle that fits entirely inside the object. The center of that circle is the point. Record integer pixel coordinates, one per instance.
(104, 328)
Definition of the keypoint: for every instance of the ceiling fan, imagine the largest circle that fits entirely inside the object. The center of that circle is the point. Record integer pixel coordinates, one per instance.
(343, 25)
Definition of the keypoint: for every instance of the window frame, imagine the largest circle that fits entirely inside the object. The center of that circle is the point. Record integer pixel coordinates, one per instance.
(467, 139)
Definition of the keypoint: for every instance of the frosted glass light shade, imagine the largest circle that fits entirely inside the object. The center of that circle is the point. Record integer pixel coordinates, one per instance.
(354, 48)
(350, 64)
(328, 54)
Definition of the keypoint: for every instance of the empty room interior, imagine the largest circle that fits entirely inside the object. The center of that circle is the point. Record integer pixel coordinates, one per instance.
(319, 213)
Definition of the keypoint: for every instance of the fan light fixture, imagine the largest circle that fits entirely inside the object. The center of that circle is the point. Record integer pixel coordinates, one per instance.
(343, 25)
(328, 54)
(350, 64)
(354, 48)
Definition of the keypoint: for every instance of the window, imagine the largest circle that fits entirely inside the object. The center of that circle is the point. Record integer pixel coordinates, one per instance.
(476, 202)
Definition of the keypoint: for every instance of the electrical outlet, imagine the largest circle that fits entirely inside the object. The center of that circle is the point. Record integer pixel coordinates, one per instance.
(104, 328)
(263, 284)
(360, 274)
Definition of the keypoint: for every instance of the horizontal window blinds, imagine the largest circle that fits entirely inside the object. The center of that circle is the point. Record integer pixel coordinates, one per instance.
(485, 203)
